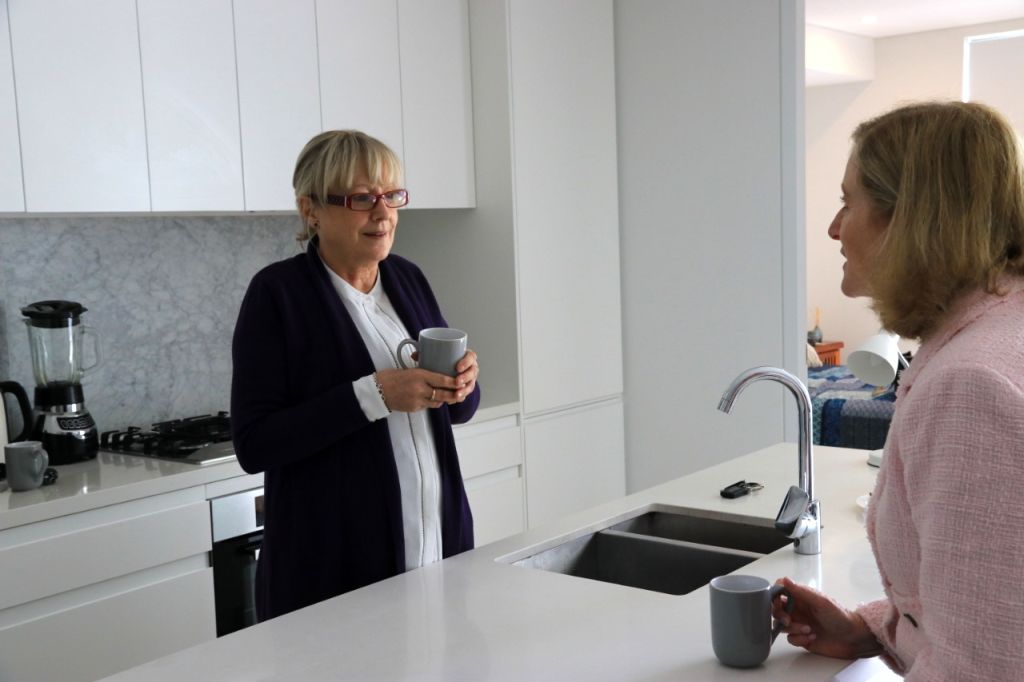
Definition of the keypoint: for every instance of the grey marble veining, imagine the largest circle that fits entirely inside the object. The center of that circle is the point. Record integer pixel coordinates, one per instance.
(162, 292)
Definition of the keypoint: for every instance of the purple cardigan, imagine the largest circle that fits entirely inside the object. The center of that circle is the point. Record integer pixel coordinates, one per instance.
(333, 509)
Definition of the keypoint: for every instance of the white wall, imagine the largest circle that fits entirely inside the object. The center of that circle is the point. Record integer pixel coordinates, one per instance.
(710, 180)
(907, 68)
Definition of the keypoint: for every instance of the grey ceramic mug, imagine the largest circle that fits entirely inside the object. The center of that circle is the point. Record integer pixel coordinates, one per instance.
(26, 464)
(439, 348)
(742, 632)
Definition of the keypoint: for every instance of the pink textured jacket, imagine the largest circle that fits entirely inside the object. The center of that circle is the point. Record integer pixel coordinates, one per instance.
(946, 520)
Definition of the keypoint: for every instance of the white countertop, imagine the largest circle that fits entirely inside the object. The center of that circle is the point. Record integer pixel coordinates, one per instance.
(108, 479)
(472, 618)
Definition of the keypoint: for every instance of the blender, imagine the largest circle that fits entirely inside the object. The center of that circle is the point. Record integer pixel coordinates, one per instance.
(55, 335)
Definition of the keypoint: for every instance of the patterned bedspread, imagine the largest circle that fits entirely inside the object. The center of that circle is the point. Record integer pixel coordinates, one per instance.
(847, 412)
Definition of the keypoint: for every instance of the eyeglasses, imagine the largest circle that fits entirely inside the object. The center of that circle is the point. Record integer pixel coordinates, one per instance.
(366, 201)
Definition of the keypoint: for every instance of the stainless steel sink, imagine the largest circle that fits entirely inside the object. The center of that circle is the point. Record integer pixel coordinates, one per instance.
(664, 549)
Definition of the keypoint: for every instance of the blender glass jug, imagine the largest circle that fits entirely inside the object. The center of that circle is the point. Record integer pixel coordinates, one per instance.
(55, 335)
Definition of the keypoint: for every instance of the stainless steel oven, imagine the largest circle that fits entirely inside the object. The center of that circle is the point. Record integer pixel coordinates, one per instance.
(237, 524)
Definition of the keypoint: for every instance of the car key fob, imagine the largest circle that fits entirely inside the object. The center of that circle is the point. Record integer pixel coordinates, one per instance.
(737, 489)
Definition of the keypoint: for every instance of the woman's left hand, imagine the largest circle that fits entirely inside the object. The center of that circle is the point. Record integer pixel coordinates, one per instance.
(465, 381)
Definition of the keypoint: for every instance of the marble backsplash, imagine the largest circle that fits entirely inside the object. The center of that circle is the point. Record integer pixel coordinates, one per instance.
(162, 292)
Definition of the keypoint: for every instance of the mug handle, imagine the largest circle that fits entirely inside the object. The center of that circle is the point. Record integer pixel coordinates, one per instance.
(43, 461)
(775, 591)
(402, 345)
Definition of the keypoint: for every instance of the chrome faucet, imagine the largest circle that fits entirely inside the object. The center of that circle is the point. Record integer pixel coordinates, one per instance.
(800, 515)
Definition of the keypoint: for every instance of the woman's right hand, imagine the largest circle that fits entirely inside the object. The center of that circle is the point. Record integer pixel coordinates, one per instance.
(820, 625)
(411, 390)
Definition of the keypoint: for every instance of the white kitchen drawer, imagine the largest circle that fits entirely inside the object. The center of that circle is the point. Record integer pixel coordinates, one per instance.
(489, 446)
(42, 559)
(491, 457)
(104, 636)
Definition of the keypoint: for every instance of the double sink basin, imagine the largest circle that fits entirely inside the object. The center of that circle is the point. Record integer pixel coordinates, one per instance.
(666, 549)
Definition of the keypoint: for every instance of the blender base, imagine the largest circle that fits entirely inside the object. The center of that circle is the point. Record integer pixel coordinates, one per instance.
(68, 448)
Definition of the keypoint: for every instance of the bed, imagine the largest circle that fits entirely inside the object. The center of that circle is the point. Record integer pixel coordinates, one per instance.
(846, 411)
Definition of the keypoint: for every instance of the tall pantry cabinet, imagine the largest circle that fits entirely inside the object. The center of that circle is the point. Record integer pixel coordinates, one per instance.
(532, 273)
(567, 233)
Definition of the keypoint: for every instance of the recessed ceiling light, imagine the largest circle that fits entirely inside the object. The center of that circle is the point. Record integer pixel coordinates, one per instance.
(869, 19)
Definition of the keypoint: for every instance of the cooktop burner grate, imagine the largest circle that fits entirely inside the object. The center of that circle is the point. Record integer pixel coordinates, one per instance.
(193, 439)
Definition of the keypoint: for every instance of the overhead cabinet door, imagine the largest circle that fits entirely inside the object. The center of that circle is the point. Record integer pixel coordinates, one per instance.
(79, 88)
(437, 106)
(12, 195)
(188, 74)
(360, 81)
(278, 95)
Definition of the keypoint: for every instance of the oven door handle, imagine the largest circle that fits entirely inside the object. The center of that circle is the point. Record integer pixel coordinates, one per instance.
(252, 548)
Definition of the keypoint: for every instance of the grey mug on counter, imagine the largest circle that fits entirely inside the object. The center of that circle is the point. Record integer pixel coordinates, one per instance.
(439, 348)
(742, 632)
(26, 464)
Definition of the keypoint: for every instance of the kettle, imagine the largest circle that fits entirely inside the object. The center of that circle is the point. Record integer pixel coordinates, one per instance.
(15, 389)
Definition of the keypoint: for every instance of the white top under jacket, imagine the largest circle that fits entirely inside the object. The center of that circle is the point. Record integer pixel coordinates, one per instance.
(411, 438)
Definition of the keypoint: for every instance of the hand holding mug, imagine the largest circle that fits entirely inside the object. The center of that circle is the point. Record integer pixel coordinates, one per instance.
(817, 623)
(412, 390)
(444, 351)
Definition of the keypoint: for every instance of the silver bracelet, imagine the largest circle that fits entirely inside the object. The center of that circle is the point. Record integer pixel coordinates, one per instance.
(380, 391)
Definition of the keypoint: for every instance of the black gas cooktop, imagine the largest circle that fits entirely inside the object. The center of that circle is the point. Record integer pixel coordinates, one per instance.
(205, 439)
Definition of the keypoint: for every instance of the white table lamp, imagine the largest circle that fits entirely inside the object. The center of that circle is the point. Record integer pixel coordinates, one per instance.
(875, 363)
(877, 359)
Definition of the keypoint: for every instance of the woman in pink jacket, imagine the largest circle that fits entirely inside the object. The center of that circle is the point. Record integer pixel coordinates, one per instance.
(932, 228)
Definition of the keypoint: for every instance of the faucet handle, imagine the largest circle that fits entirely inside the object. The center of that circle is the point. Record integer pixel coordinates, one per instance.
(791, 518)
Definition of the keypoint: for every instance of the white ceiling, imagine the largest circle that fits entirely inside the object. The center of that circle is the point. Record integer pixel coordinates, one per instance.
(894, 17)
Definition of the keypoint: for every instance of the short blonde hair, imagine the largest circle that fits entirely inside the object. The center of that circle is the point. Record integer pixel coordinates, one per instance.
(949, 177)
(330, 163)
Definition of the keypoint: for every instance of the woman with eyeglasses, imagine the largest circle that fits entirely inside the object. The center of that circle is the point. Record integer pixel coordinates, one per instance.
(361, 476)
(932, 229)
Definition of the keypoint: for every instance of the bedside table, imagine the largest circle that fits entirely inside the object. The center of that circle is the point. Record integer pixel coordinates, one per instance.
(830, 352)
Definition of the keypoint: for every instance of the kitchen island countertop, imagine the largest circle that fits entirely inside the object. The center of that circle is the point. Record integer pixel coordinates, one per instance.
(472, 617)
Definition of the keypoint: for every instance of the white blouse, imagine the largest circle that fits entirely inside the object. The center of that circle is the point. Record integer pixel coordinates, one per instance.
(411, 438)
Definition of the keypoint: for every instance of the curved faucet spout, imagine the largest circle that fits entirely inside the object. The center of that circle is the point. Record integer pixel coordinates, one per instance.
(810, 541)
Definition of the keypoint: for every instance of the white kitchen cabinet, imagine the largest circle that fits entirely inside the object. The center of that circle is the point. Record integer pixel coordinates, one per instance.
(80, 110)
(101, 637)
(574, 460)
(360, 78)
(191, 103)
(12, 191)
(437, 107)
(491, 458)
(88, 594)
(278, 95)
(566, 201)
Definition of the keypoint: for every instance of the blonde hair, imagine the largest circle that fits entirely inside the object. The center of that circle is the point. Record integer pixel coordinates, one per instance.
(330, 163)
(949, 177)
